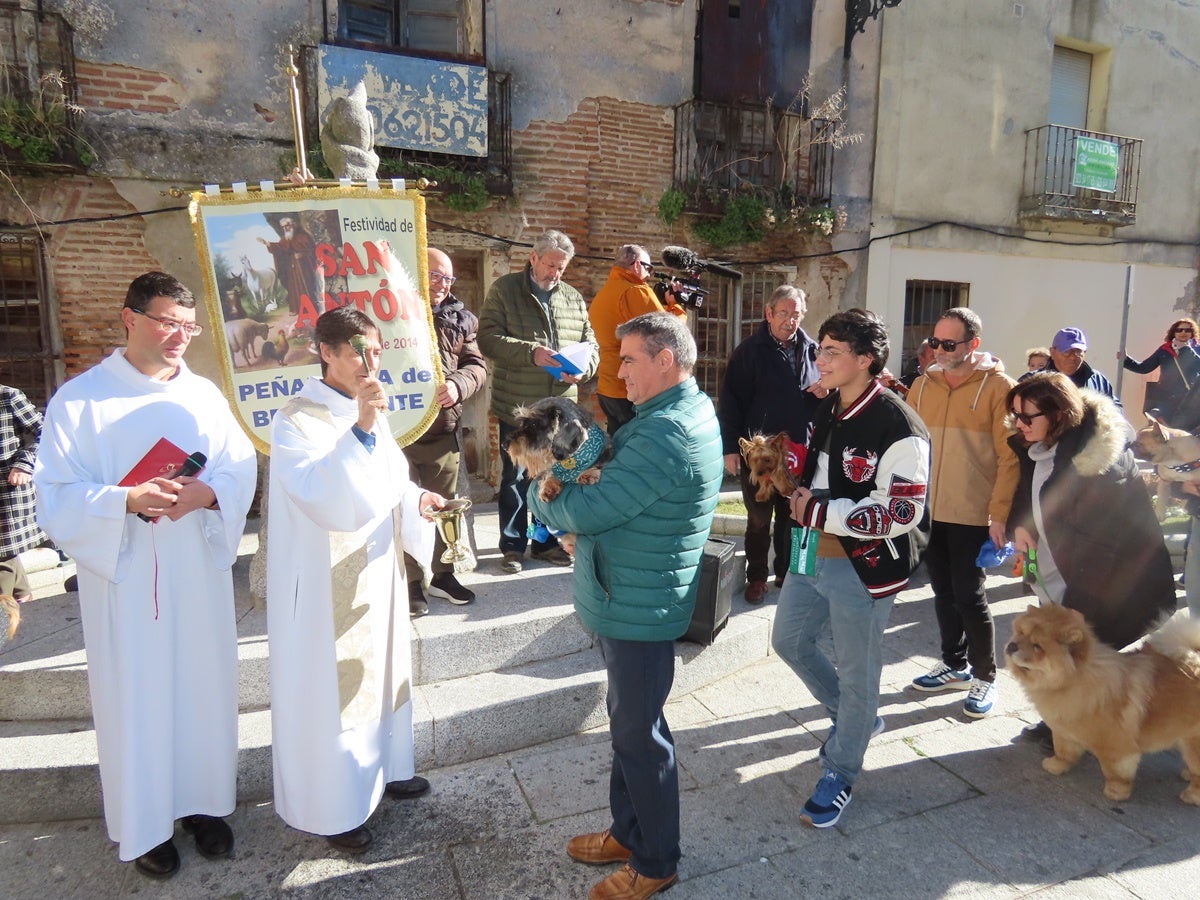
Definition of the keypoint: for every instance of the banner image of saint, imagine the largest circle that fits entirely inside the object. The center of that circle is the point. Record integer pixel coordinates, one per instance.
(273, 262)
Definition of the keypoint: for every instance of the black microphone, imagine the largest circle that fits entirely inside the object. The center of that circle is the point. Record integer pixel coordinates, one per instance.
(191, 466)
(680, 258)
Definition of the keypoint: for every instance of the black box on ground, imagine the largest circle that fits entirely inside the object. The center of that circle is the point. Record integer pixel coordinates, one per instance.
(715, 597)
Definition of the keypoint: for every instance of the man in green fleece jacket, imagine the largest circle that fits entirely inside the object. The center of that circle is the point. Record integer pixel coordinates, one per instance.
(640, 541)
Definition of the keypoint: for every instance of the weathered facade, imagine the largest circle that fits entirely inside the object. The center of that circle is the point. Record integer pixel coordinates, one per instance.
(181, 94)
(984, 109)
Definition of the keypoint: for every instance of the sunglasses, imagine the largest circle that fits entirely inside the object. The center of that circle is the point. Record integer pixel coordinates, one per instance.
(1027, 418)
(1184, 331)
(946, 345)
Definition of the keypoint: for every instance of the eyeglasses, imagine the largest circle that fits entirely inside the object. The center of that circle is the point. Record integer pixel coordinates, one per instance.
(1027, 418)
(946, 345)
(439, 278)
(645, 264)
(170, 326)
(1185, 331)
(831, 352)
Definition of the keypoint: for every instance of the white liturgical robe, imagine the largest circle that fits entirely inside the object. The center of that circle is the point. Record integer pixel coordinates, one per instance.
(337, 613)
(156, 599)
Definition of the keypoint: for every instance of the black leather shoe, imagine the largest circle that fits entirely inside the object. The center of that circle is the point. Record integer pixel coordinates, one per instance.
(406, 790)
(162, 862)
(214, 837)
(356, 840)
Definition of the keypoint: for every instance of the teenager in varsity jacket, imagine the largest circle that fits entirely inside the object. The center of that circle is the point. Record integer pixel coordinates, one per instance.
(866, 477)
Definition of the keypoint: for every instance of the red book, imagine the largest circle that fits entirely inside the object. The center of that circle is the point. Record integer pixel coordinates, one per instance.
(163, 460)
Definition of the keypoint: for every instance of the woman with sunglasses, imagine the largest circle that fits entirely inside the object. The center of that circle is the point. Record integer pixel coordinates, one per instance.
(1083, 509)
(1083, 515)
(1178, 363)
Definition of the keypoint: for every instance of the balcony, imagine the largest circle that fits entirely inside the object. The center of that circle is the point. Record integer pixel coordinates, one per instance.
(722, 149)
(39, 116)
(1060, 184)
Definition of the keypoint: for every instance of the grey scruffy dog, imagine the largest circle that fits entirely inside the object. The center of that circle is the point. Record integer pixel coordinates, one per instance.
(558, 442)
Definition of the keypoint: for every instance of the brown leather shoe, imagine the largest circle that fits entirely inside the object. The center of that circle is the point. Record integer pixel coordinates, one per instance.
(597, 848)
(628, 884)
(756, 591)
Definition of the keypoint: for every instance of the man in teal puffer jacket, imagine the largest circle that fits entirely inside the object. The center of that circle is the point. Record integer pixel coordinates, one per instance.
(640, 541)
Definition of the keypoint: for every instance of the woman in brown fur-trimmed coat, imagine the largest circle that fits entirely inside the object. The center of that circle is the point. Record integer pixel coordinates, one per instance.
(1081, 503)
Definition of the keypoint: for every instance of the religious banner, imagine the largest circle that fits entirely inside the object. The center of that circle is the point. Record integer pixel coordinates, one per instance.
(274, 261)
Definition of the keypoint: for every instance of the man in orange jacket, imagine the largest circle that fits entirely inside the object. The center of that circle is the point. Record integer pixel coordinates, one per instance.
(625, 296)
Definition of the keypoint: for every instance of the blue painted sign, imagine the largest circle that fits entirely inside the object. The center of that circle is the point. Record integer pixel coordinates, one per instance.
(417, 104)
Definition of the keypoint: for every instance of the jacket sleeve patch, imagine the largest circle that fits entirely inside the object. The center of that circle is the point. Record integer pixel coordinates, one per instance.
(902, 511)
(902, 487)
(871, 521)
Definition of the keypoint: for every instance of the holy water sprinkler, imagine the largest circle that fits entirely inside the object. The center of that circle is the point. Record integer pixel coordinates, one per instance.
(359, 344)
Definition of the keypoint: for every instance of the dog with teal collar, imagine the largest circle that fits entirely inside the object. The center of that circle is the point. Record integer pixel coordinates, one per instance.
(558, 442)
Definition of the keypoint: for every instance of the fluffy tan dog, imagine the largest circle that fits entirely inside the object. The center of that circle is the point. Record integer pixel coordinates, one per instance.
(766, 462)
(1117, 706)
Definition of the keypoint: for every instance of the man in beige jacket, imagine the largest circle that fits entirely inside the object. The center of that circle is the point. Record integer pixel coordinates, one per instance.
(961, 400)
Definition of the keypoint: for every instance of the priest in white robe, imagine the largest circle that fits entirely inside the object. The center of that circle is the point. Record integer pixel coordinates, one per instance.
(156, 598)
(342, 507)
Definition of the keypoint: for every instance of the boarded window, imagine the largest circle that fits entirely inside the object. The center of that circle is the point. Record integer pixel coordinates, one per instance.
(26, 357)
(428, 26)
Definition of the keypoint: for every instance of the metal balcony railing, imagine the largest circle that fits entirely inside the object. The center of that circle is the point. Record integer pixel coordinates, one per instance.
(39, 116)
(1049, 190)
(721, 148)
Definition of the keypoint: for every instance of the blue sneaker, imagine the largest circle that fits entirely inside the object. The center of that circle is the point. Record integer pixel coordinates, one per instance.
(943, 678)
(876, 729)
(824, 807)
(981, 699)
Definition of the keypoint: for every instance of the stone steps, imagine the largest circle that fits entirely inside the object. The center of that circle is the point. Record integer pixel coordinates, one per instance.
(514, 669)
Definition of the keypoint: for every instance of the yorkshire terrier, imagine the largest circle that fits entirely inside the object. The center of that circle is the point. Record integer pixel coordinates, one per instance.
(557, 442)
(771, 460)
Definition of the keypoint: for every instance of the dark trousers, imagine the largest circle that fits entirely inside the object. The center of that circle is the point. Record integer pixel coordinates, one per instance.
(644, 786)
(514, 511)
(964, 620)
(433, 465)
(617, 412)
(759, 534)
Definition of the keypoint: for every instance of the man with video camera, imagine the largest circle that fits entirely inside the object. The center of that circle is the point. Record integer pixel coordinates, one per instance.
(626, 295)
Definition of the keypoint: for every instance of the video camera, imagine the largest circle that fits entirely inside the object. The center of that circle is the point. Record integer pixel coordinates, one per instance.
(690, 293)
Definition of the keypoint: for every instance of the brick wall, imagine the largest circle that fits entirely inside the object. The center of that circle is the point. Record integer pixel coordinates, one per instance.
(112, 87)
(92, 264)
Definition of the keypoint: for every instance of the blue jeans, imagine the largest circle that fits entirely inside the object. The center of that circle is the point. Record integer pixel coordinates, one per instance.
(835, 598)
(643, 791)
(514, 511)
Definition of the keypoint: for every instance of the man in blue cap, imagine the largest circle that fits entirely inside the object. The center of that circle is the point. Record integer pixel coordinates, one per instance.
(1067, 352)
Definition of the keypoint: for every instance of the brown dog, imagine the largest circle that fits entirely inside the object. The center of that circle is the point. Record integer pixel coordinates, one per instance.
(767, 464)
(1175, 454)
(1117, 706)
